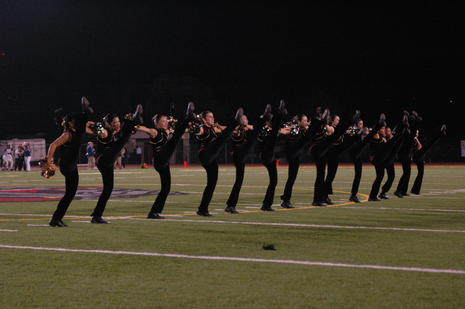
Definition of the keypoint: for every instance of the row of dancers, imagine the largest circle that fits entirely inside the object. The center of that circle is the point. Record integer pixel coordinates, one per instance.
(325, 135)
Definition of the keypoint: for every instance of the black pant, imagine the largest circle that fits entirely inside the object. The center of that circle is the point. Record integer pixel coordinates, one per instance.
(240, 171)
(402, 186)
(333, 163)
(379, 168)
(318, 188)
(165, 182)
(391, 174)
(293, 170)
(105, 164)
(212, 178)
(273, 177)
(358, 166)
(419, 179)
(161, 165)
(71, 183)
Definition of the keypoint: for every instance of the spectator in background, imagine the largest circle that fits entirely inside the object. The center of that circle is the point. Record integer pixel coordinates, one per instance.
(27, 157)
(8, 158)
(19, 158)
(119, 159)
(123, 156)
(90, 153)
(138, 155)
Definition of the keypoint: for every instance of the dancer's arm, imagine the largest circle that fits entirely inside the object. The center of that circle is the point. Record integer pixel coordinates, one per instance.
(418, 145)
(55, 144)
(150, 131)
(285, 131)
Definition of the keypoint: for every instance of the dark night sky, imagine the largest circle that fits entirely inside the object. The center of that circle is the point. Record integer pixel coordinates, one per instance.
(120, 53)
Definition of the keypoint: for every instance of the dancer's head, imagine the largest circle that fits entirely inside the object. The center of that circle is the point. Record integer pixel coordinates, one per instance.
(68, 123)
(208, 118)
(112, 122)
(303, 120)
(388, 132)
(334, 121)
(161, 121)
(382, 131)
(360, 124)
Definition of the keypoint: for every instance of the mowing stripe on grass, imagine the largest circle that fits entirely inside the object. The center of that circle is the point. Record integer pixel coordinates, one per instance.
(241, 259)
(325, 226)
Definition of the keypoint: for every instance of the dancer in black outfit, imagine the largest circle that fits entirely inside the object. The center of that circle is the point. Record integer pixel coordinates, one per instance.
(405, 154)
(389, 167)
(394, 142)
(419, 158)
(110, 140)
(362, 137)
(318, 148)
(242, 139)
(342, 140)
(163, 146)
(266, 141)
(212, 136)
(295, 132)
(357, 134)
(377, 144)
(385, 147)
(69, 143)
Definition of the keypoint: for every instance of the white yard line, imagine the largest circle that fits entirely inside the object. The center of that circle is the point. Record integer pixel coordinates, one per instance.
(324, 226)
(241, 259)
(408, 209)
(5, 230)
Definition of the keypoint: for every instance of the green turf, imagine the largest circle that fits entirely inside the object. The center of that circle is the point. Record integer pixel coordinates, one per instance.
(41, 279)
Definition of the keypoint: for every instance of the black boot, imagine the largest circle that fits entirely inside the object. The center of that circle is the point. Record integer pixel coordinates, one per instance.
(356, 117)
(398, 194)
(326, 116)
(98, 220)
(85, 106)
(282, 108)
(239, 114)
(56, 223)
(106, 121)
(286, 204)
(190, 111)
(204, 213)
(267, 208)
(382, 120)
(266, 112)
(231, 210)
(154, 215)
(443, 130)
(354, 198)
(329, 201)
(137, 116)
(383, 196)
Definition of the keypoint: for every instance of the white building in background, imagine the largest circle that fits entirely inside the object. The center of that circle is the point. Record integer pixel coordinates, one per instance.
(36, 145)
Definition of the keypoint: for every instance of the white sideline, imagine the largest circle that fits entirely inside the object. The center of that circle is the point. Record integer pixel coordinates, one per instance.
(4, 230)
(241, 259)
(408, 209)
(328, 226)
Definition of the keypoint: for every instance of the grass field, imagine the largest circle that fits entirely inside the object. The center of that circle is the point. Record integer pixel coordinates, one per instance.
(400, 253)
